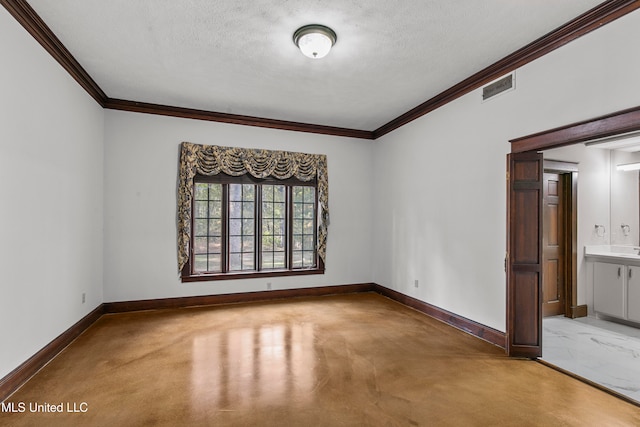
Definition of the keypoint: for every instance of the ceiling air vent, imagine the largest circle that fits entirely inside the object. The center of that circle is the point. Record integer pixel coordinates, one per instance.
(496, 87)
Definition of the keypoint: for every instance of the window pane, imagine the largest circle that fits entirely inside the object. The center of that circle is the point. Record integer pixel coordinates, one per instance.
(279, 260)
(278, 243)
(201, 191)
(308, 211)
(200, 245)
(248, 192)
(215, 245)
(297, 242)
(279, 193)
(247, 210)
(235, 262)
(307, 243)
(308, 227)
(267, 193)
(215, 209)
(215, 263)
(279, 210)
(303, 239)
(267, 260)
(248, 227)
(267, 227)
(241, 227)
(247, 261)
(248, 244)
(201, 209)
(207, 242)
(201, 227)
(308, 259)
(235, 192)
(215, 192)
(309, 195)
(215, 227)
(267, 209)
(279, 226)
(267, 243)
(235, 227)
(235, 210)
(200, 263)
(235, 244)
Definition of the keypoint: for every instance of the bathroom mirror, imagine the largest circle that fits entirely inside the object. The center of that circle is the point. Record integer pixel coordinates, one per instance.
(624, 199)
(608, 198)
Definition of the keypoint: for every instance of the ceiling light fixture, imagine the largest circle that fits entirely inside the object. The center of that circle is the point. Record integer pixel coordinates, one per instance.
(629, 141)
(629, 167)
(315, 41)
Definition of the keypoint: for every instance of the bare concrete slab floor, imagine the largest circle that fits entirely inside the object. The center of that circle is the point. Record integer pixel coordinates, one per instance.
(329, 361)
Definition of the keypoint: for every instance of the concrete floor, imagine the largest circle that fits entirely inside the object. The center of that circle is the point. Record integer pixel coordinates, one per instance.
(328, 361)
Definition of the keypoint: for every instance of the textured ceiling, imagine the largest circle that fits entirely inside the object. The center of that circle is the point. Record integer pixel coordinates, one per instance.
(237, 57)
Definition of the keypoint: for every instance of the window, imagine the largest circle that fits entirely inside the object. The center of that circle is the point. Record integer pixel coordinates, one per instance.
(244, 226)
(250, 212)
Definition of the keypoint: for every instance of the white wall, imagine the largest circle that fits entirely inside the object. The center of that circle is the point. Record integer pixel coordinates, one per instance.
(51, 182)
(442, 218)
(141, 161)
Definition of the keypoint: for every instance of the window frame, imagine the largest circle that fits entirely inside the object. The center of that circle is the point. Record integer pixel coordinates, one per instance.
(187, 273)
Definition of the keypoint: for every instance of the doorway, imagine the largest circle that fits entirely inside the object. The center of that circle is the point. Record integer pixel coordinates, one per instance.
(559, 240)
(554, 246)
(524, 223)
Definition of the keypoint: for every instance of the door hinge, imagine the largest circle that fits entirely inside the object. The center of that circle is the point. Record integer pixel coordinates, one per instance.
(507, 176)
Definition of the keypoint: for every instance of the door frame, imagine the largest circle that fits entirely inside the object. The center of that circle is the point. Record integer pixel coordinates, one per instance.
(612, 124)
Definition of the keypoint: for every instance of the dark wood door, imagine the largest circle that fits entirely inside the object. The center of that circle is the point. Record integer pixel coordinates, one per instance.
(524, 255)
(553, 245)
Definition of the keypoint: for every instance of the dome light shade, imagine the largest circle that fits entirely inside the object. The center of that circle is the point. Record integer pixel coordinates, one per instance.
(629, 167)
(315, 41)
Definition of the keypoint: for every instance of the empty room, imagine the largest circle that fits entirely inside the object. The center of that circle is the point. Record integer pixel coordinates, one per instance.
(319, 213)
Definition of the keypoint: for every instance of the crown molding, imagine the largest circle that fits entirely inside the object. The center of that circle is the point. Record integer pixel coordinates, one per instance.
(583, 24)
(29, 19)
(190, 113)
(595, 18)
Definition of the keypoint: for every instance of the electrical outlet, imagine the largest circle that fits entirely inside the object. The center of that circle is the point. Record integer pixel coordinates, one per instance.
(268, 286)
(84, 297)
(415, 283)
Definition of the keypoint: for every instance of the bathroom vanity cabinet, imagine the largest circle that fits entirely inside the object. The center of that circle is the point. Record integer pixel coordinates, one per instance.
(609, 289)
(616, 283)
(616, 290)
(633, 293)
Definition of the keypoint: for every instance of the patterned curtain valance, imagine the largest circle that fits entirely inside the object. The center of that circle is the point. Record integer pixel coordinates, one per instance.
(212, 159)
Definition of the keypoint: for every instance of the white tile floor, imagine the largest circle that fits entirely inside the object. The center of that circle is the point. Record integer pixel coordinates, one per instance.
(604, 352)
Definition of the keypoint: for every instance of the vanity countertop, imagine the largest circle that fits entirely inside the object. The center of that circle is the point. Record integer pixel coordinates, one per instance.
(613, 252)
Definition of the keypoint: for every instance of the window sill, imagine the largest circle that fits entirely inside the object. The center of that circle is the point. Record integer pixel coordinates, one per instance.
(250, 275)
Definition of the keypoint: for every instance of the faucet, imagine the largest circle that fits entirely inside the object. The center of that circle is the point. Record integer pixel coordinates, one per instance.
(626, 229)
